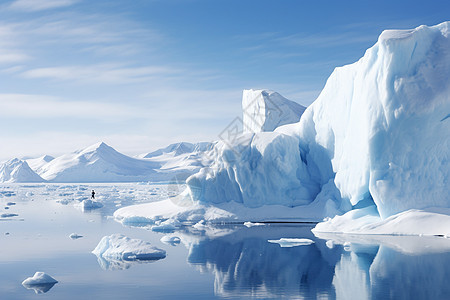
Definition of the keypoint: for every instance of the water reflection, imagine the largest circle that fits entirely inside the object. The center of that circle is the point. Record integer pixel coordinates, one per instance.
(109, 264)
(245, 264)
(40, 288)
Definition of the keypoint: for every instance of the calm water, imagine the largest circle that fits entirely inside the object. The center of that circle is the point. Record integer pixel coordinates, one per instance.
(222, 262)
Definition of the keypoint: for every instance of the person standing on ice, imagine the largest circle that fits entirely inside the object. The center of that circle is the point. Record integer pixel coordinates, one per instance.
(93, 195)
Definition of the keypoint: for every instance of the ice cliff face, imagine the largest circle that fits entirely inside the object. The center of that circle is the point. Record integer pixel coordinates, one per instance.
(16, 170)
(265, 110)
(379, 132)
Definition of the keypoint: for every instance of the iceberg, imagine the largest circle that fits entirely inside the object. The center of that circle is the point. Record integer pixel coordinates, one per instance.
(371, 152)
(170, 240)
(376, 135)
(118, 252)
(40, 282)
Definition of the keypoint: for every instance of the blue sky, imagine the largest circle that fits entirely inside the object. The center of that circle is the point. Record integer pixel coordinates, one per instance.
(142, 74)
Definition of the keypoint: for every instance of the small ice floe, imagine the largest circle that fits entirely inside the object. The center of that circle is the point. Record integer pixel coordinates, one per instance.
(292, 242)
(11, 203)
(170, 240)
(40, 282)
(252, 224)
(200, 225)
(169, 225)
(90, 204)
(118, 252)
(75, 236)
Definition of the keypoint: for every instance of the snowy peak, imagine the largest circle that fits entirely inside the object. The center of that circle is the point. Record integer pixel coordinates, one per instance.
(37, 163)
(177, 149)
(16, 170)
(97, 163)
(265, 110)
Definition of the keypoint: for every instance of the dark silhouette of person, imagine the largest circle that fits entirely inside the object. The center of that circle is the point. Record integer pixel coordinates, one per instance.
(93, 195)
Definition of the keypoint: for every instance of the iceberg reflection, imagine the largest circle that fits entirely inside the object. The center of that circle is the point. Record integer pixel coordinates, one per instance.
(245, 264)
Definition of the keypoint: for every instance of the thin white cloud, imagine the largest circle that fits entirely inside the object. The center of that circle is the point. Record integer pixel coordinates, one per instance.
(38, 5)
(10, 57)
(42, 106)
(109, 74)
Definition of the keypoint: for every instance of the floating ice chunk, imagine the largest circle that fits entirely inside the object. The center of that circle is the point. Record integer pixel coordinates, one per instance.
(40, 282)
(120, 247)
(168, 225)
(292, 242)
(251, 224)
(39, 278)
(200, 225)
(90, 204)
(11, 203)
(170, 240)
(75, 236)
(411, 222)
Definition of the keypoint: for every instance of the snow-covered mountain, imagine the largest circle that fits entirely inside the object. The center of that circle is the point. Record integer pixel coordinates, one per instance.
(378, 134)
(102, 163)
(178, 149)
(99, 163)
(37, 163)
(265, 110)
(16, 170)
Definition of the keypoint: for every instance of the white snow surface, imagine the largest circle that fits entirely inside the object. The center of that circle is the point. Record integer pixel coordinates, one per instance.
(120, 247)
(39, 278)
(265, 110)
(378, 133)
(37, 163)
(411, 222)
(16, 170)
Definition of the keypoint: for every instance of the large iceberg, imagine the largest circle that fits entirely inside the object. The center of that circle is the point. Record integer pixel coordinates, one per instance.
(379, 132)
